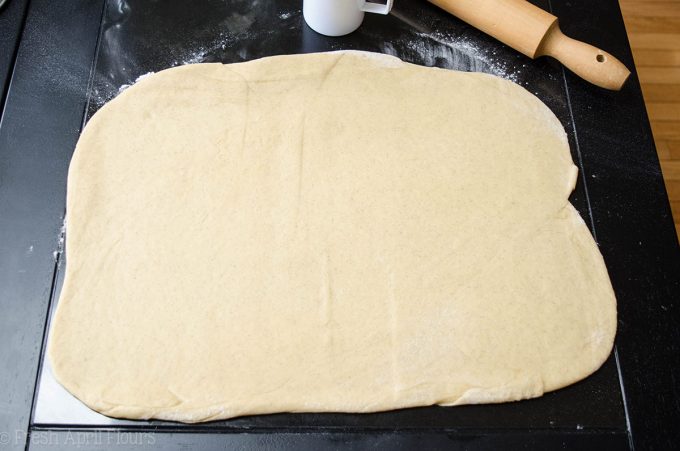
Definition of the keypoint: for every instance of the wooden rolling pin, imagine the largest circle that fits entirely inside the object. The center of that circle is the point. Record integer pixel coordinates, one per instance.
(534, 32)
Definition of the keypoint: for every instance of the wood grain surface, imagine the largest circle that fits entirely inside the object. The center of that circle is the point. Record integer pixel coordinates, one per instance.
(654, 33)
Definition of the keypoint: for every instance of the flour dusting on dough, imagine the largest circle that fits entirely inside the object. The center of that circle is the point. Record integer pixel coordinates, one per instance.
(137, 80)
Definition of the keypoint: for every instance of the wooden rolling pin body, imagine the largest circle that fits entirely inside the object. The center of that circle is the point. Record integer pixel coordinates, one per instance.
(534, 32)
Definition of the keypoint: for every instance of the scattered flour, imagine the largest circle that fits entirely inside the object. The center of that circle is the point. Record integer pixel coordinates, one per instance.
(60, 243)
(437, 49)
(196, 58)
(236, 33)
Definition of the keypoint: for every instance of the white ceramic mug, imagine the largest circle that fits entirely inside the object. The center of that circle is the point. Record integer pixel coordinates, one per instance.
(339, 17)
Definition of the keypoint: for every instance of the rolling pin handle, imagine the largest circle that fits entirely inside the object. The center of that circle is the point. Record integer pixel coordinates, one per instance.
(588, 62)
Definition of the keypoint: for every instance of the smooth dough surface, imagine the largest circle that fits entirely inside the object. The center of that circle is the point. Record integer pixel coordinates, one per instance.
(324, 232)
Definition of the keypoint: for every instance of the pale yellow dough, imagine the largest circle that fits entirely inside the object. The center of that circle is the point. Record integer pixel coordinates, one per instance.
(325, 232)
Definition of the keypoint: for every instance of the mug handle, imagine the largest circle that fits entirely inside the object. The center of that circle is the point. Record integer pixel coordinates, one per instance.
(377, 7)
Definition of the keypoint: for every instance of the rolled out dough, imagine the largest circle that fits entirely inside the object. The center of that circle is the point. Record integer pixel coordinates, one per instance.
(326, 232)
